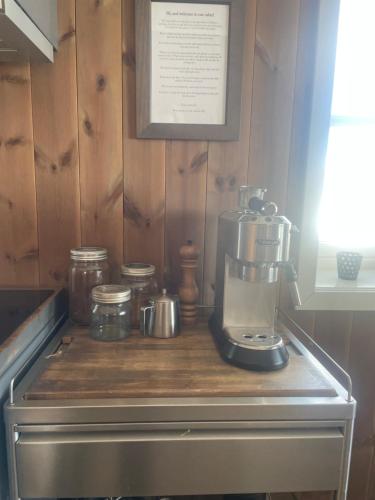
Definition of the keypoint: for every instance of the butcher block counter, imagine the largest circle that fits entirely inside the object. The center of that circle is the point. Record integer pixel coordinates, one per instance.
(154, 417)
(186, 366)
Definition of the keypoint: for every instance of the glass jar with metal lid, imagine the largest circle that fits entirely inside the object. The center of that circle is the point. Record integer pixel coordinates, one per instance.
(140, 278)
(89, 267)
(110, 312)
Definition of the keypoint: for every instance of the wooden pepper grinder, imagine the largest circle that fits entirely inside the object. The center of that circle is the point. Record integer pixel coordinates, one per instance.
(188, 290)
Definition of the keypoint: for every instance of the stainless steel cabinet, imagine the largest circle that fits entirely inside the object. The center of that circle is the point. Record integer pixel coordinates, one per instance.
(28, 30)
(177, 460)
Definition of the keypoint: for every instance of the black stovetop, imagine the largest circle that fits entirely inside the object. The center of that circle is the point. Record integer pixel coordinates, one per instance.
(16, 305)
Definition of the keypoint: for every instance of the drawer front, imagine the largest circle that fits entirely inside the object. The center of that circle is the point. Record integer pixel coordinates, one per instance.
(177, 462)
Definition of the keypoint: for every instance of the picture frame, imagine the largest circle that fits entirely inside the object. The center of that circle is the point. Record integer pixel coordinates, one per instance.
(174, 25)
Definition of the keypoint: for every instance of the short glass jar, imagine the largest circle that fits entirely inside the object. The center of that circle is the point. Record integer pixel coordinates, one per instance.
(89, 267)
(140, 278)
(110, 312)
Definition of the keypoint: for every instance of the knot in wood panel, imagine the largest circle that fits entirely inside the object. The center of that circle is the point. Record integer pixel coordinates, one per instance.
(133, 214)
(116, 193)
(228, 183)
(68, 34)
(31, 254)
(87, 127)
(264, 55)
(101, 83)
(232, 181)
(66, 158)
(219, 183)
(56, 275)
(18, 140)
(199, 160)
(13, 79)
(128, 58)
(40, 157)
(6, 201)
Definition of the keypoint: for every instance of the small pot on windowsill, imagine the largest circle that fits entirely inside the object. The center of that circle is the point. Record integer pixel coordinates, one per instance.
(348, 265)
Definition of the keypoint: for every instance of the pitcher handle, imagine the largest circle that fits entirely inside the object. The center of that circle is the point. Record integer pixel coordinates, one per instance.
(144, 324)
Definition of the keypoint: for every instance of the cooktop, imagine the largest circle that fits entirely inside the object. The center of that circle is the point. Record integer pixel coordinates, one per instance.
(16, 305)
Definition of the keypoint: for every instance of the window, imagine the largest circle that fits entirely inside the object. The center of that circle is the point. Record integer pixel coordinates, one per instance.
(341, 160)
(346, 208)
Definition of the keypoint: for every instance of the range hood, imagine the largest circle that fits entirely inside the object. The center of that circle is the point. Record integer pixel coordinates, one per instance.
(28, 30)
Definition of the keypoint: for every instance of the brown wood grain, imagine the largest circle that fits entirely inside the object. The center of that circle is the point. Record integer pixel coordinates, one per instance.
(99, 75)
(328, 495)
(282, 496)
(362, 370)
(273, 89)
(319, 495)
(333, 331)
(304, 74)
(18, 217)
(186, 177)
(186, 366)
(371, 486)
(55, 124)
(227, 162)
(144, 170)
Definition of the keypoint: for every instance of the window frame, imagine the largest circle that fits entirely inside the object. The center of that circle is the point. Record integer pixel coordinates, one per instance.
(314, 297)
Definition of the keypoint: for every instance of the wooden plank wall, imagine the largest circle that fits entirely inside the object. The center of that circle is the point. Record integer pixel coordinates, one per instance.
(68, 131)
(72, 171)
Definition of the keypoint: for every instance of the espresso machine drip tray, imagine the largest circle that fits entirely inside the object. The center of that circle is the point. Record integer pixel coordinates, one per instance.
(252, 348)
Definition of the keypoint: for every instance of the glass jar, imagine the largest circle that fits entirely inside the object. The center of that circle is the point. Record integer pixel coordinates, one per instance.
(89, 267)
(110, 312)
(140, 278)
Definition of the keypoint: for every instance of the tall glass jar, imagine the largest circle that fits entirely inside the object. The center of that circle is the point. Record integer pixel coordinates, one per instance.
(89, 267)
(140, 278)
(110, 312)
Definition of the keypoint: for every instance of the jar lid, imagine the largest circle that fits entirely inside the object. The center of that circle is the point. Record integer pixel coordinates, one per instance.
(89, 253)
(137, 269)
(111, 294)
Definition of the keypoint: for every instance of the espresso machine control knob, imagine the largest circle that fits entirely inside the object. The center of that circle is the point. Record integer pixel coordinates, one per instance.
(262, 206)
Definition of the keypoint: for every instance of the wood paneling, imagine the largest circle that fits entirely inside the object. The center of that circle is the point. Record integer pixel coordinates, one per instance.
(332, 330)
(18, 218)
(144, 169)
(99, 83)
(362, 370)
(315, 496)
(303, 496)
(186, 177)
(54, 100)
(273, 91)
(97, 184)
(227, 161)
(308, 22)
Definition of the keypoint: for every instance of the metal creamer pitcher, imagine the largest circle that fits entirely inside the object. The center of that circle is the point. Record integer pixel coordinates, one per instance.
(161, 318)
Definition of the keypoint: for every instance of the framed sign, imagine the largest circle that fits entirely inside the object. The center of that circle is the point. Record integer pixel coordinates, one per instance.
(189, 68)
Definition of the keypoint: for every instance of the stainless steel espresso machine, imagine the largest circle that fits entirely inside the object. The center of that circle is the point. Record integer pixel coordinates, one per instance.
(253, 245)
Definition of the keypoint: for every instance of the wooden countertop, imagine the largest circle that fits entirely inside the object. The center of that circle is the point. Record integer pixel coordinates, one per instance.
(186, 366)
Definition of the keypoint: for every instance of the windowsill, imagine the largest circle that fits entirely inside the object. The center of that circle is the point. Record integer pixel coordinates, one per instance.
(327, 279)
(334, 294)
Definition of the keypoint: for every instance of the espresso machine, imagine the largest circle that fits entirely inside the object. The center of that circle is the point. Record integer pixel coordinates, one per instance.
(253, 246)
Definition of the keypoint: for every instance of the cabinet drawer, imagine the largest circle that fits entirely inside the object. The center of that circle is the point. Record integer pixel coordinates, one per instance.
(177, 462)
